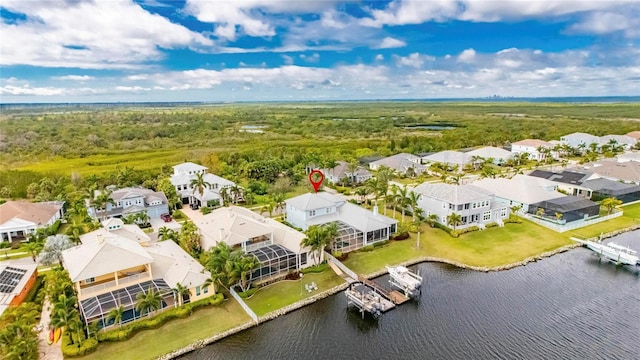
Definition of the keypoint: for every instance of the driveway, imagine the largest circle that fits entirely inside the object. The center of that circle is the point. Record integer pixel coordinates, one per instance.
(156, 224)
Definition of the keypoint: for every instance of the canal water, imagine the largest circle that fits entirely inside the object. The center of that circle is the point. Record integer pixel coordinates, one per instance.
(569, 306)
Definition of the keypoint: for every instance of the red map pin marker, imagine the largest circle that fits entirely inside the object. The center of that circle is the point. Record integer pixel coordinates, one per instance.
(320, 178)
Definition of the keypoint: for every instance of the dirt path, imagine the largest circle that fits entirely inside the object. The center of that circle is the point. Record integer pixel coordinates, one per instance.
(46, 351)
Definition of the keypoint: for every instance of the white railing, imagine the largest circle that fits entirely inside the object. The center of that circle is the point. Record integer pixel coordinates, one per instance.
(571, 225)
(244, 305)
(341, 266)
(122, 282)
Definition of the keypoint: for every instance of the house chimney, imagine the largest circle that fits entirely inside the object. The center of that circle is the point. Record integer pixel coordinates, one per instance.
(100, 238)
(221, 233)
(375, 210)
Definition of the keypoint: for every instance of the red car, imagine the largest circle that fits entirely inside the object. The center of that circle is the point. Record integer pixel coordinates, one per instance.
(166, 217)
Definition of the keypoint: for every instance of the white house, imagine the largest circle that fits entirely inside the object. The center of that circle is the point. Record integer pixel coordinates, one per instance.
(277, 246)
(521, 190)
(343, 170)
(131, 200)
(357, 226)
(184, 173)
(532, 147)
(629, 156)
(499, 155)
(108, 269)
(18, 219)
(448, 157)
(476, 206)
(403, 163)
(579, 140)
(627, 142)
(568, 181)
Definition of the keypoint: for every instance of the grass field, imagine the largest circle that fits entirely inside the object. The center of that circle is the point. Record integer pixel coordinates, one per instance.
(175, 334)
(285, 293)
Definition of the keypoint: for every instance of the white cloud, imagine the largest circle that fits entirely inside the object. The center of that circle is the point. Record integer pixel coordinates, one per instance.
(288, 60)
(379, 57)
(602, 23)
(414, 60)
(34, 91)
(467, 56)
(74, 77)
(389, 43)
(132, 88)
(101, 34)
(313, 58)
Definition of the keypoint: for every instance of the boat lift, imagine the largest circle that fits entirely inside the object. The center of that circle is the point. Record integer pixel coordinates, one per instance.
(405, 280)
(613, 252)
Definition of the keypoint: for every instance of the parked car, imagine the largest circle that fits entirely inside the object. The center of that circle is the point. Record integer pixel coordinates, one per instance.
(166, 217)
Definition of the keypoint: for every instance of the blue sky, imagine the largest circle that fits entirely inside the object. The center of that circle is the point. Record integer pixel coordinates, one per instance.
(255, 50)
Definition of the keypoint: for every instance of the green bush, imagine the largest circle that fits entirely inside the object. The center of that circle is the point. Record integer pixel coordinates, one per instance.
(315, 269)
(467, 230)
(442, 227)
(380, 243)
(248, 293)
(205, 210)
(367, 248)
(127, 331)
(32, 295)
(490, 225)
(401, 236)
(77, 349)
(178, 215)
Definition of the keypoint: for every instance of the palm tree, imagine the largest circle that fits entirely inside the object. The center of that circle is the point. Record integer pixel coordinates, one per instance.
(610, 204)
(245, 265)
(362, 192)
(402, 201)
(454, 220)
(540, 212)
(331, 232)
(199, 184)
(101, 201)
(316, 238)
(181, 291)
(64, 313)
(412, 202)
(164, 233)
(432, 220)
(33, 248)
(53, 247)
(149, 301)
(74, 230)
(115, 314)
(373, 186)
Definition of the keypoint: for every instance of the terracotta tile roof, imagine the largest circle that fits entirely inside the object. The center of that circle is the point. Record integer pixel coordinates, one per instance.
(38, 213)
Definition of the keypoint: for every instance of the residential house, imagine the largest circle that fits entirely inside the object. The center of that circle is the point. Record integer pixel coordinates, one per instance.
(534, 147)
(450, 158)
(184, 173)
(277, 246)
(114, 264)
(568, 181)
(628, 172)
(403, 163)
(18, 219)
(344, 171)
(626, 142)
(131, 200)
(605, 188)
(16, 280)
(475, 205)
(579, 140)
(629, 156)
(498, 155)
(357, 226)
(568, 208)
(634, 134)
(520, 191)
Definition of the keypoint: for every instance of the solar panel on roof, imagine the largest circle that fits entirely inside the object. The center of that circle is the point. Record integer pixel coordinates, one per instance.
(9, 278)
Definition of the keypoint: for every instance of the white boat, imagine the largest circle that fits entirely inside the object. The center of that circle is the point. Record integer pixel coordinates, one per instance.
(613, 252)
(405, 280)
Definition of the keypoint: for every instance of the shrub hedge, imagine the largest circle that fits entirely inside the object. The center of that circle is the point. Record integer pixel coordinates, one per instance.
(77, 349)
(315, 269)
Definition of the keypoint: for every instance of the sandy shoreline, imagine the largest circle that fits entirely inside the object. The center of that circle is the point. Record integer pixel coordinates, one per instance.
(277, 313)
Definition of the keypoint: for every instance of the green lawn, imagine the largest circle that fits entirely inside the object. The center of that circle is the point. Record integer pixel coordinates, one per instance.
(175, 334)
(630, 217)
(283, 293)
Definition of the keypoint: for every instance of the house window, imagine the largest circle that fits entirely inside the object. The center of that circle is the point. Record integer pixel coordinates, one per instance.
(464, 219)
(460, 207)
(312, 213)
(503, 212)
(303, 259)
(205, 289)
(474, 205)
(452, 207)
(90, 280)
(466, 206)
(444, 205)
(486, 216)
(197, 290)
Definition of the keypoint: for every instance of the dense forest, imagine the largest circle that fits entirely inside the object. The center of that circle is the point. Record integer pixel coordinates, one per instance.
(261, 141)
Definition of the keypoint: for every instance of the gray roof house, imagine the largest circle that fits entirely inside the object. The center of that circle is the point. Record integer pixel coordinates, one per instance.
(629, 156)
(132, 200)
(449, 157)
(357, 226)
(576, 139)
(342, 170)
(618, 171)
(625, 141)
(475, 205)
(604, 188)
(402, 163)
(521, 190)
(569, 181)
(499, 155)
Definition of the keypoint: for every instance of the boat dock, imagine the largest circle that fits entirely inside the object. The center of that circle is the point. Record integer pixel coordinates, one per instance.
(613, 252)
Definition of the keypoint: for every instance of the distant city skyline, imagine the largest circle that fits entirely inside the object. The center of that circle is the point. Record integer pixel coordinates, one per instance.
(294, 50)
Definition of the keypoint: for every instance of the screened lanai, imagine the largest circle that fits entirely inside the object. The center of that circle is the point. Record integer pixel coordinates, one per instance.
(97, 308)
(348, 239)
(274, 259)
